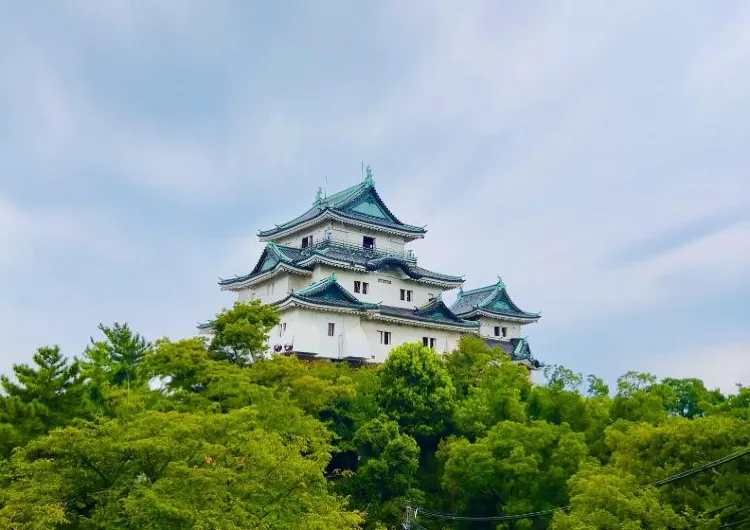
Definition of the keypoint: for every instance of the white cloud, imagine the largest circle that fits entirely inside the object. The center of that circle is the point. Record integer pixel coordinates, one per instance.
(721, 365)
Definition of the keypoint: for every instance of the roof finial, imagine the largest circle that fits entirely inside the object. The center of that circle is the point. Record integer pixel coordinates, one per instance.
(333, 276)
(369, 182)
(500, 283)
(318, 196)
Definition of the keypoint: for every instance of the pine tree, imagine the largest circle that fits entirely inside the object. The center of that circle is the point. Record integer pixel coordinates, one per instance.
(45, 395)
(117, 359)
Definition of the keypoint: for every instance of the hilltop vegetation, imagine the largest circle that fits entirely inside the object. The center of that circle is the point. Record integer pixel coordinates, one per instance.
(207, 435)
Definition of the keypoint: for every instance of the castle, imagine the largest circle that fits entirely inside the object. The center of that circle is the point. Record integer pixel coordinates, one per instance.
(347, 288)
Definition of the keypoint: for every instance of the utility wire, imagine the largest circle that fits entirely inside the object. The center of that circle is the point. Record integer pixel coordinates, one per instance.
(531, 515)
(730, 514)
(719, 509)
(738, 523)
(701, 469)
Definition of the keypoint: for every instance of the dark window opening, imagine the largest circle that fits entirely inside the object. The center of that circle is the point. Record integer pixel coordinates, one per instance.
(425, 341)
(433, 342)
(505, 332)
(306, 241)
(331, 329)
(368, 242)
(403, 294)
(357, 286)
(497, 331)
(408, 296)
(365, 285)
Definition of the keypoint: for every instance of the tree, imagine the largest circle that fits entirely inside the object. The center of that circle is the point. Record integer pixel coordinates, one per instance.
(416, 390)
(497, 394)
(690, 397)
(516, 468)
(386, 476)
(117, 359)
(43, 396)
(173, 470)
(240, 334)
(607, 500)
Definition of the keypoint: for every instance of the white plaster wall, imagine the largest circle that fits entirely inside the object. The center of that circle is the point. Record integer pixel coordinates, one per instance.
(269, 291)
(346, 233)
(307, 330)
(379, 291)
(487, 328)
(400, 334)
(354, 336)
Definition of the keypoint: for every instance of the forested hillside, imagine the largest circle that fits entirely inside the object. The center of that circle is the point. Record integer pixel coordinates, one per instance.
(208, 435)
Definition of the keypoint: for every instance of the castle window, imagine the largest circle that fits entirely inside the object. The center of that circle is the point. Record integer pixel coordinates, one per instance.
(368, 242)
(306, 241)
(497, 331)
(381, 280)
(433, 342)
(505, 332)
(429, 341)
(331, 329)
(357, 286)
(425, 341)
(365, 285)
(384, 336)
(406, 295)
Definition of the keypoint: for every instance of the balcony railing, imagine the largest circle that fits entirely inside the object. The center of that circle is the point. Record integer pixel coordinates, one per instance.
(374, 251)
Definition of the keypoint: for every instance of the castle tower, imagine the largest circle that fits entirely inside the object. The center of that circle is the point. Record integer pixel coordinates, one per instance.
(347, 287)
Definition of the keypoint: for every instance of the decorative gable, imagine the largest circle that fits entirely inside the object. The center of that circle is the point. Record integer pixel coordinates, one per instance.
(369, 206)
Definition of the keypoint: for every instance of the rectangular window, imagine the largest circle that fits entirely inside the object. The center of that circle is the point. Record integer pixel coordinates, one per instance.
(357, 286)
(368, 242)
(505, 332)
(331, 329)
(381, 280)
(497, 331)
(433, 342)
(425, 341)
(365, 285)
(306, 241)
(409, 296)
(384, 336)
(403, 294)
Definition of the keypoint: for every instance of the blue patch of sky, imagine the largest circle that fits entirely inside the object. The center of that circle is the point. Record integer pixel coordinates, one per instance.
(673, 239)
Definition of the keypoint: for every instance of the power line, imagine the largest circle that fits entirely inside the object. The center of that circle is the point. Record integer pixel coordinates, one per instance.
(532, 515)
(701, 469)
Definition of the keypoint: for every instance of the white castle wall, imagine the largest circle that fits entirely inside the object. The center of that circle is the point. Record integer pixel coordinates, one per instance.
(487, 328)
(307, 331)
(346, 234)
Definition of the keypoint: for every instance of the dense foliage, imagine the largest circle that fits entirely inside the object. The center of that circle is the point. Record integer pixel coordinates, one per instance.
(210, 435)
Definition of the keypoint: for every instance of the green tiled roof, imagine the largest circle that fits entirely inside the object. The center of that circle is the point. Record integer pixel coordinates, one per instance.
(370, 260)
(270, 258)
(435, 311)
(328, 292)
(517, 349)
(359, 203)
(493, 299)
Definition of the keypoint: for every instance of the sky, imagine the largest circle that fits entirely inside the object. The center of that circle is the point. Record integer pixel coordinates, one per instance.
(596, 155)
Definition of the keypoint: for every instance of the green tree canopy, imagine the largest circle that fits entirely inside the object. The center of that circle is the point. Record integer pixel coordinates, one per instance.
(240, 334)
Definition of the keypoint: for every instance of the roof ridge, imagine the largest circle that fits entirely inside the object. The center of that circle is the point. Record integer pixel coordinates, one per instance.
(312, 286)
(476, 290)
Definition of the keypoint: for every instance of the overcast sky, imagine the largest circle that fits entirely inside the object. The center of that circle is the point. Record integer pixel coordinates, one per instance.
(596, 155)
